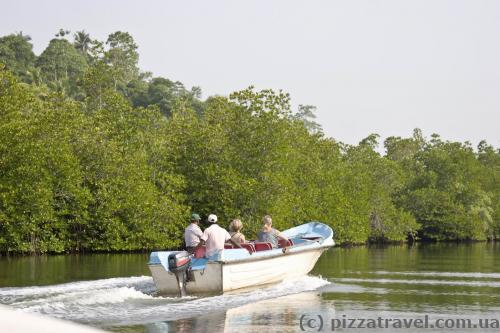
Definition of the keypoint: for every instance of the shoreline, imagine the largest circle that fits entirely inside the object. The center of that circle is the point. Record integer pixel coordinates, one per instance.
(341, 245)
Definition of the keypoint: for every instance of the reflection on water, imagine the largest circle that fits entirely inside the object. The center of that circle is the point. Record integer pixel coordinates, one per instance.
(214, 322)
(440, 280)
(276, 315)
(48, 270)
(273, 315)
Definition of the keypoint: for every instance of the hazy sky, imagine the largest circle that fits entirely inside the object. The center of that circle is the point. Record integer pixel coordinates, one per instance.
(369, 66)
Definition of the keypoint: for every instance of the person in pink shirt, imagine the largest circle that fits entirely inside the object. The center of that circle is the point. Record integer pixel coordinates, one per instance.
(214, 238)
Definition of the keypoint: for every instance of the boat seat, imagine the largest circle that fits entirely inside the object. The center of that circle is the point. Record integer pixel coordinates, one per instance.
(285, 243)
(200, 252)
(263, 246)
(248, 246)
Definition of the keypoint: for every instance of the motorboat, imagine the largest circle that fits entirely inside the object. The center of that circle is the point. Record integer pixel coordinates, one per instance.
(258, 263)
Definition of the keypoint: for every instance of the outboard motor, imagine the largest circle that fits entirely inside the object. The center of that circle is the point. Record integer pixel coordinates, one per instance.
(179, 263)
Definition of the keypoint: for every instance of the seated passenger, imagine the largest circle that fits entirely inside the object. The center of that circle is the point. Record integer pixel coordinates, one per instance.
(268, 233)
(193, 233)
(235, 231)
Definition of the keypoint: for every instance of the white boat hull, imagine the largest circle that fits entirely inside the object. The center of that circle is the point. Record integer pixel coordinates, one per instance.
(220, 277)
(258, 272)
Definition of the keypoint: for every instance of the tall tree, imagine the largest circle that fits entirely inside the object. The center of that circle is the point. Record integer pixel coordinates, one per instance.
(122, 56)
(489, 179)
(61, 66)
(82, 42)
(307, 115)
(16, 53)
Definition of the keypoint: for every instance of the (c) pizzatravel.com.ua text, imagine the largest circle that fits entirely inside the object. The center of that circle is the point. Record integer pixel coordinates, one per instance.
(319, 323)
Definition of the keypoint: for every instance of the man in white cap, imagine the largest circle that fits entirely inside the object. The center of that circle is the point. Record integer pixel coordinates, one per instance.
(214, 238)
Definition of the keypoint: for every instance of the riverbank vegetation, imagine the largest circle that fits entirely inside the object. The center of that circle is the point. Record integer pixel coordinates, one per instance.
(96, 155)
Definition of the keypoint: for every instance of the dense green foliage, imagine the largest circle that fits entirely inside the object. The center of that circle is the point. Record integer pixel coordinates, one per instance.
(16, 52)
(96, 155)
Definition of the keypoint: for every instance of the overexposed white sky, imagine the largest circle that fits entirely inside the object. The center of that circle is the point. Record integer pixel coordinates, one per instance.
(369, 66)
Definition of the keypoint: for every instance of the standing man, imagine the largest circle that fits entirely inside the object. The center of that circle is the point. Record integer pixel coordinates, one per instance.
(214, 238)
(193, 233)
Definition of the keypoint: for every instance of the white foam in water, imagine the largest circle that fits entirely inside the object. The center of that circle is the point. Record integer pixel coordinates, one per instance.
(91, 297)
(125, 301)
(136, 281)
(472, 275)
(445, 274)
(429, 282)
(353, 289)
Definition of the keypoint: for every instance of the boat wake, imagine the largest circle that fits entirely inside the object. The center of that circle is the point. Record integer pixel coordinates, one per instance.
(489, 284)
(127, 301)
(472, 275)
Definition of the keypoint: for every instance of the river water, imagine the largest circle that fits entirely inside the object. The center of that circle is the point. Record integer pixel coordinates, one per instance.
(442, 285)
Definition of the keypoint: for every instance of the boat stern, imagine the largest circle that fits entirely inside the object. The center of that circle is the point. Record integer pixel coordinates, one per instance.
(204, 277)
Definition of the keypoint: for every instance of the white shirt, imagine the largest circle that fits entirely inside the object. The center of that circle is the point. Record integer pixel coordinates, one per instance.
(215, 237)
(192, 235)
